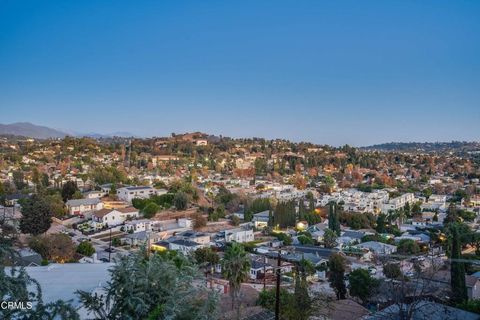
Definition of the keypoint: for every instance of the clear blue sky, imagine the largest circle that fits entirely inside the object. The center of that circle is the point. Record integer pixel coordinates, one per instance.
(336, 72)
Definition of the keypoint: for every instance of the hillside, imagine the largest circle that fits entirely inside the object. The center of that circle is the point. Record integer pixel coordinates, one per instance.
(27, 129)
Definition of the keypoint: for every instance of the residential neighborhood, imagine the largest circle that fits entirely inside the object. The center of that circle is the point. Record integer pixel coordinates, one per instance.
(385, 226)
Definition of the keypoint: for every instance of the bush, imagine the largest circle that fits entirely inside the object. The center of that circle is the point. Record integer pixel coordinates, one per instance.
(150, 210)
(305, 240)
(392, 270)
(85, 248)
(285, 238)
(116, 242)
(180, 201)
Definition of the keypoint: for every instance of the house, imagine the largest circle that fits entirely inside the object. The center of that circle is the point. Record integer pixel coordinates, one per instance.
(28, 258)
(160, 246)
(261, 219)
(472, 283)
(258, 269)
(398, 202)
(349, 237)
(198, 237)
(423, 309)
(129, 193)
(12, 199)
(346, 309)
(184, 246)
(94, 194)
(81, 206)
(377, 247)
(113, 217)
(147, 238)
(239, 235)
(473, 287)
(201, 142)
(419, 222)
(134, 226)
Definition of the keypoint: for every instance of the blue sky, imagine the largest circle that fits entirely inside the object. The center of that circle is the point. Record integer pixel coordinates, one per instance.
(336, 72)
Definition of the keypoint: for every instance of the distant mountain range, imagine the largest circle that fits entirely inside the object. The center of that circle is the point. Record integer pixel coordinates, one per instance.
(26, 129)
(453, 146)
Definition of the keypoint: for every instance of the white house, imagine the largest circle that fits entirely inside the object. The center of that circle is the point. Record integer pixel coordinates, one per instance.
(113, 217)
(81, 206)
(135, 226)
(260, 220)
(129, 193)
(398, 202)
(94, 194)
(239, 235)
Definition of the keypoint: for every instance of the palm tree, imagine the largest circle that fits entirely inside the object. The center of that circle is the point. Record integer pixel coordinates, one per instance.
(235, 268)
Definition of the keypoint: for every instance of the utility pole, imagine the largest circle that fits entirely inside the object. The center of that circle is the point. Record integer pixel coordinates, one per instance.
(110, 246)
(277, 293)
(264, 271)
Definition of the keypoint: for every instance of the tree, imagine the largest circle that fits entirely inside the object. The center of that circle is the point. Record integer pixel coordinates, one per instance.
(68, 190)
(381, 223)
(256, 206)
(457, 268)
(235, 220)
(236, 268)
(329, 239)
(199, 221)
(337, 264)
(284, 214)
(86, 248)
(180, 200)
(36, 216)
(77, 195)
(285, 238)
(19, 179)
(17, 285)
(150, 210)
(452, 214)
(206, 257)
(392, 270)
(305, 238)
(362, 285)
(56, 247)
(303, 302)
(408, 246)
(333, 218)
(158, 286)
(266, 299)
(416, 209)
(56, 204)
(427, 192)
(60, 247)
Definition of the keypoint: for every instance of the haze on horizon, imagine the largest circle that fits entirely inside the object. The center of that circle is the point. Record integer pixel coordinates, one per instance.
(329, 72)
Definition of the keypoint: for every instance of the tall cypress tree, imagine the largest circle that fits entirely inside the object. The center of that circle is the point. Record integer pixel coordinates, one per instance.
(333, 220)
(457, 268)
(301, 210)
